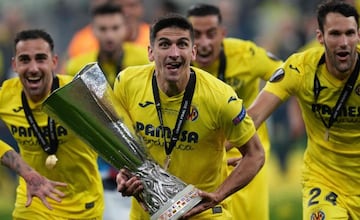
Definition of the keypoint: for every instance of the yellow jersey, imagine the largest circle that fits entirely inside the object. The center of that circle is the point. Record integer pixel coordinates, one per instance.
(216, 115)
(76, 163)
(132, 55)
(335, 161)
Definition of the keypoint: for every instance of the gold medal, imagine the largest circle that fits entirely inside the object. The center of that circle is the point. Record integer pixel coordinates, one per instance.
(167, 162)
(51, 161)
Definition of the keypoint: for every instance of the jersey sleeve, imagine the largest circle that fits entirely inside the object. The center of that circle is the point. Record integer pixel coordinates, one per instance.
(286, 80)
(237, 124)
(4, 148)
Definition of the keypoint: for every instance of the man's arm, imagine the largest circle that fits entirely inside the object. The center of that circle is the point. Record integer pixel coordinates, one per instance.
(263, 106)
(37, 185)
(250, 164)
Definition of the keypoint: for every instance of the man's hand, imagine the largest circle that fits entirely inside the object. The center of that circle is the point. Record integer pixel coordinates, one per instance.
(130, 185)
(209, 200)
(42, 187)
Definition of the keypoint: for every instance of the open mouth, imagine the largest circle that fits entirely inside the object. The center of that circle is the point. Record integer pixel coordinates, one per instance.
(33, 79)
(173, 65)
(343, 54)
(204, 54)
(33, 82)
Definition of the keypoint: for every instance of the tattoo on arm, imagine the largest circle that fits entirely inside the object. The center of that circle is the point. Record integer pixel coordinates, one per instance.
(13, 160)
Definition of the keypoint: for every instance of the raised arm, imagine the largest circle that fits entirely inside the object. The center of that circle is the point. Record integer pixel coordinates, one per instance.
(263, 106)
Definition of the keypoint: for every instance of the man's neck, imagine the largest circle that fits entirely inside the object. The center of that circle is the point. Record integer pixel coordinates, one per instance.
(173, 88)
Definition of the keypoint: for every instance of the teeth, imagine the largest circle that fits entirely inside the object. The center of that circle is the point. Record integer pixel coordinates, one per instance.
(33, 78)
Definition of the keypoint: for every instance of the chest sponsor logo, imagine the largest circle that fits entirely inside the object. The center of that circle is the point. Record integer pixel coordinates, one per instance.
(21, 131)
(153, 131)
(345, 112)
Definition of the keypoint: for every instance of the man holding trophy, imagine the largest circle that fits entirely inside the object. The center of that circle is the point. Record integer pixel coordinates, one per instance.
(164, 126)
(184, 116)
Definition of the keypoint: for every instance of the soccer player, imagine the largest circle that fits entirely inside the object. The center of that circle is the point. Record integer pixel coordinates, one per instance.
(36, 185)
(109, 27)
(48, 147)
(213, 114)
(242, 65)
(326, 84)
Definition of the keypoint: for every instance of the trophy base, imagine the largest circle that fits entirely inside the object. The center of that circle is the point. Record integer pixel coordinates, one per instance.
(179, 205)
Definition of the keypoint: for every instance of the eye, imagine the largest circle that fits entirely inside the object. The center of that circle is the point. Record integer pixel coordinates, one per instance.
(350, 33)
(164, 45)
(23, 59)
(41, 57)
(211, 34)
(183, 44)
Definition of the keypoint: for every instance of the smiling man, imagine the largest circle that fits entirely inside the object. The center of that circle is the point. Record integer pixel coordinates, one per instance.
(326, 84)
(48, 147)
(188, 117)
(241, 64)
(114, 54)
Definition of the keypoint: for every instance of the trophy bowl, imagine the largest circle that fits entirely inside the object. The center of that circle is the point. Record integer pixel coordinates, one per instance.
(88, 108)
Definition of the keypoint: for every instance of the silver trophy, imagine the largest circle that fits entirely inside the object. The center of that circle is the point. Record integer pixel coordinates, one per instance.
(87, 107)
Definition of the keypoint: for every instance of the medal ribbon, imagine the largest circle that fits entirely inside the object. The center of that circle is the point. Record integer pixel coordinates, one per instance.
(184, 111)
(51, 147)
(343, 96)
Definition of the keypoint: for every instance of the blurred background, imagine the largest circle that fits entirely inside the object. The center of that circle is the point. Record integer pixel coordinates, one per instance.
(281, 26)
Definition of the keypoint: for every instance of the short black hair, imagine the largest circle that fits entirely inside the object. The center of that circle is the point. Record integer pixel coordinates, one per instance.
(33, 34)
(170, 20)
(204, 10)
(335, 6)
(106, 8)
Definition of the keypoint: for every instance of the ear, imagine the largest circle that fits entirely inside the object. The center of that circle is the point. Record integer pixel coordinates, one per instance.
(224, 31)
(150, 54)
(320, 36)
(193, 53)
(55, 60)
(13, 64)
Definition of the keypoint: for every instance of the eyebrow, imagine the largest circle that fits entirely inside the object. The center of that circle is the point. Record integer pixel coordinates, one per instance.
(180, 39)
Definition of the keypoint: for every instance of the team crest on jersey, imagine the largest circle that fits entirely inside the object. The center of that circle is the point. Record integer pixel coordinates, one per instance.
(193, 113)
(318, 215)
(278, 75)
(357, 90)
(239, 117)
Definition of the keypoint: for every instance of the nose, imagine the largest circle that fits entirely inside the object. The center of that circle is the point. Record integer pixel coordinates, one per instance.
(202, 40)
(344, 41)
(33, 67)
(174, 51)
